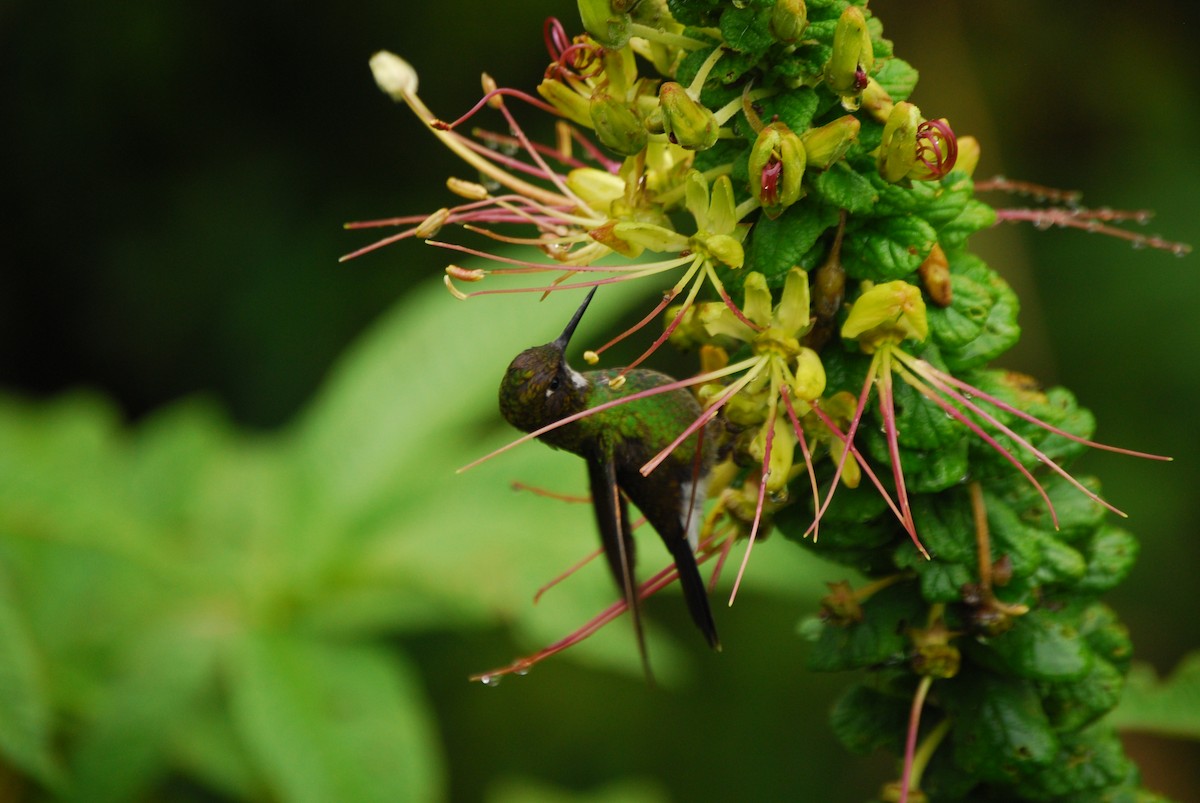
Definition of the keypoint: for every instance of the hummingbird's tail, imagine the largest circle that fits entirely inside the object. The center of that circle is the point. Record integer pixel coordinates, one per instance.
(694, 591)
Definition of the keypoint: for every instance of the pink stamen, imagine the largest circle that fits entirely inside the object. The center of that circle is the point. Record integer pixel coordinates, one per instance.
(668, 330)
(933, 378)
(499, 92)
(862, 464)
(786, 394)
(983, 435)
(932, 135)
(1008, 408)
(537, 596)
(667, 298)
(493, 138)
(910, 742)
(655, 584)
(758, 505)
(708, 414)
(887, 409)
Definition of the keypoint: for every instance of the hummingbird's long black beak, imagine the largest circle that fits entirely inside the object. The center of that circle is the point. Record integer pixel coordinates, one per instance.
(565, 337)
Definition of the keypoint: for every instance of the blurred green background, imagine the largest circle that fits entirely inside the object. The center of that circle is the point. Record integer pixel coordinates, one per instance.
(177, 176)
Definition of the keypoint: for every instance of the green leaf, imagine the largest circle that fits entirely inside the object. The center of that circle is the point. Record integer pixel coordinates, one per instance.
(776, 246)
(1088, 761)
(975, 216)
(1111, 553)
(865, 719)
(981, 322)
(878, 638)
(694, 12)
(326, 722)
(898, 78)
(1060, 563)
(26, 718)
(887, 248)
(945, 524)
(1078, 703)
(1107, 637)
(747, 29)
(159, 683)
(1169, 706)
(795, 107)
(1000, 730)
(1043, 645)
(843, 187)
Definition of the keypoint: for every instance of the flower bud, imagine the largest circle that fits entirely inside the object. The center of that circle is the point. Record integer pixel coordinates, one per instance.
(607, 26)
(566, 101)
(777, 163)
(898, 148)
(616, 126)
(876, 101)
(935, 276)
(968, 155)
(789, 18)
(829, 143)
(853, 58)
(688, 123)
(598, 188)
(395, 76)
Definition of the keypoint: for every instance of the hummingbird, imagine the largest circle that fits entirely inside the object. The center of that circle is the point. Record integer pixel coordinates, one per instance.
(540, 387)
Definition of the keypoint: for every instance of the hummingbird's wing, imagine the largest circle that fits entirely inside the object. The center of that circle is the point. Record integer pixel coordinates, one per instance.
(612, 516)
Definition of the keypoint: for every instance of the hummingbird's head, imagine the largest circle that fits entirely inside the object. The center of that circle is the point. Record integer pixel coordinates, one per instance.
(539, 387)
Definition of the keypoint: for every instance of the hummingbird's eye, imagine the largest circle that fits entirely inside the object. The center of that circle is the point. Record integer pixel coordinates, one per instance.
(554, 383)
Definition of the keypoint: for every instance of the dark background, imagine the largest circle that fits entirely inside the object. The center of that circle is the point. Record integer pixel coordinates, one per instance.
(177, 174)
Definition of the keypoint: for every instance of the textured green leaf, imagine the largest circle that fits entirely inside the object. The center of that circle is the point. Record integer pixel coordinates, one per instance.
(1044, 645)
(975, 216)
(1060, 562)
(1078, 703)
(795, 107)
(898, 78)
(329, 722)
(981, 322)
(694, 12)
(887, 248)
(945, 525)
(1088, 762)
(842, 187)
(747, 29)
(879, 637)
(776, 246)
(1169, 706)
(1111, 553)
(865, 719)
(1106, 636)
(1000, 730)
(1078, 516)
